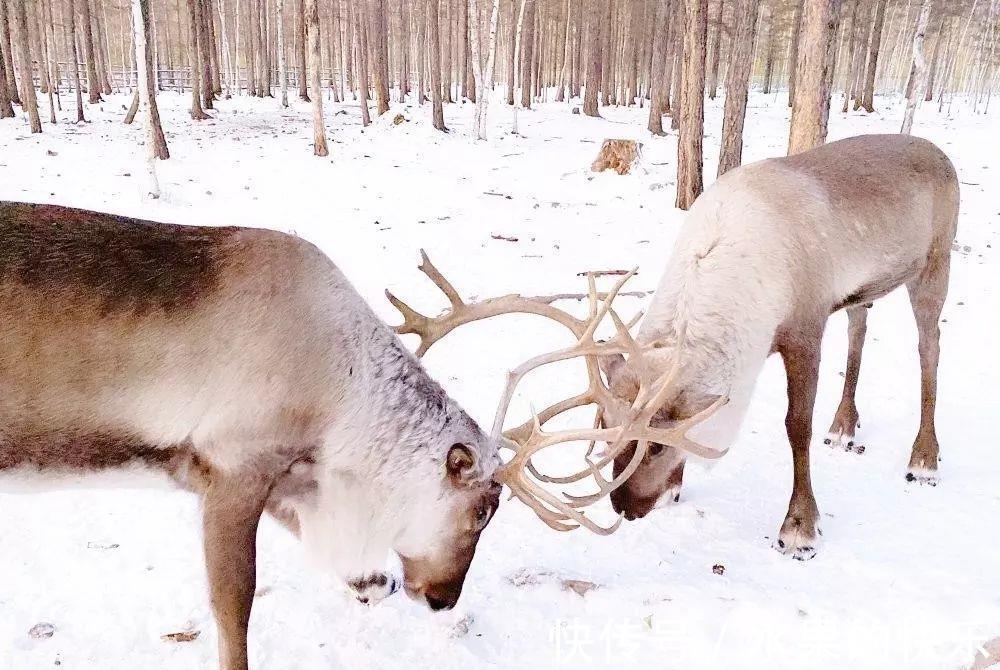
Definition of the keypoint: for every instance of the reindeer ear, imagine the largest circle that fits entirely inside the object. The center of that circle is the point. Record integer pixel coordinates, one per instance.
(461, 463)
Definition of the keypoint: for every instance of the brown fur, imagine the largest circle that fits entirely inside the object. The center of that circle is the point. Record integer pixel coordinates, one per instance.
(129, 264)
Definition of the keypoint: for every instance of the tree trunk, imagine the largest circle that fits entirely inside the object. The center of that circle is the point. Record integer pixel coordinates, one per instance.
(204, 55)
(30, 103)
(527, 40)
(146, 86)
(445, 41)
(380, 52)
(659, 65)
(737, 83)
(483, 75)
(916, 91)
(874, 44)
(312, 30)
(300, 50)
(593, 79)
(6, 110)
(434, 43)
(769, 50)
(93, 83)
(811, 110)
(793, 49)
(282, 69)
(197, 112)
(942, 32)
(512, 52)
(361, 59)
(715, 50)
(69, 24)
(567, 57)
(692, 130)
(680, 37)
(7, 51)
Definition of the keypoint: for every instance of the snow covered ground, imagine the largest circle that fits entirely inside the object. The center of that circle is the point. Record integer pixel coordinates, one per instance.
(907, 577)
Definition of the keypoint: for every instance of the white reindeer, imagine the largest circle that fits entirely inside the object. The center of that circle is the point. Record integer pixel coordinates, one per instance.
(242, 364)
(764, 257)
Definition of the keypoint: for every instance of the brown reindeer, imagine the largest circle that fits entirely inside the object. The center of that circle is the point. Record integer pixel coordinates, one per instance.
(243, 365)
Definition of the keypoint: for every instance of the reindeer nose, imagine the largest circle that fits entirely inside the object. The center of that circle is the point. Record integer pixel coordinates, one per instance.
(629, 506)
(437, 604)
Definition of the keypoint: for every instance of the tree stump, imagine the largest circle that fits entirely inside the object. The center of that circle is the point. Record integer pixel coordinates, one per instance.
(617, 155)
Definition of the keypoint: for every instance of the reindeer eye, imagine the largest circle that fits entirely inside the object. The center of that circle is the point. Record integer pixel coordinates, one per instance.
(482, 516)
(655, 449)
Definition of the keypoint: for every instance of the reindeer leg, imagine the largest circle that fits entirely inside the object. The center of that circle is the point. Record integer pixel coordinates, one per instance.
(927, 296)
(800, 532)
(845, 421)
(232, 509)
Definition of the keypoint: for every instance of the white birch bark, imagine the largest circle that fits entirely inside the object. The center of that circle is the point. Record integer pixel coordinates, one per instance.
(919, 68)
(139, 35)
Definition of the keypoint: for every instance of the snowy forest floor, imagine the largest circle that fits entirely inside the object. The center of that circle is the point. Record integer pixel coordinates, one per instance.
(906, 578)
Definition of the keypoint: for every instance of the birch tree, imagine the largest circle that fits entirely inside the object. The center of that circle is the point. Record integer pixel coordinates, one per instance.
(483, 75)
(156, 145)
(916, 91)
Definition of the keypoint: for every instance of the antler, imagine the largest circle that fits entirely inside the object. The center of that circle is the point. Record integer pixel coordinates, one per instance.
(635, 427)
(519, 474)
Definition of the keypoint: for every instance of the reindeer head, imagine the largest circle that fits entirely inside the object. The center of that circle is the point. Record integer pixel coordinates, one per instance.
(444, 523)
(634, 415)
(661, 468)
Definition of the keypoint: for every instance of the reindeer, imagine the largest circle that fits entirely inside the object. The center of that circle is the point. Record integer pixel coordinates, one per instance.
(764, 257)
(241, 365)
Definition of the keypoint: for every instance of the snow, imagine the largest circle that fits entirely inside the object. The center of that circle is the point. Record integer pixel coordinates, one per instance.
(906, 576)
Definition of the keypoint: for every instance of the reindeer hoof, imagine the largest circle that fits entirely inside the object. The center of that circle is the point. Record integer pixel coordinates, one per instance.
(373, 588)
(923, 476)
(844, 441)
(797, 539)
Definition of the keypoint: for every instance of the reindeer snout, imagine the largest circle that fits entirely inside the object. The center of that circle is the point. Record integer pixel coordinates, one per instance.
(438, 597)
(630, 506)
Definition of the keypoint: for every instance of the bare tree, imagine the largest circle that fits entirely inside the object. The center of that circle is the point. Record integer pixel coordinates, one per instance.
(282, 68)
(737, 83)
(146, 91)
(7, 51)
(483, 75)
(300, 50)
(593, 79)
(93, 83)
(874, 44)
(380, 52)
(692, 108)
(793, 48)
(312, 29)
(918, 79)
(197, 112)
(434, 44)
(29, 101)
(658, 86)
(811, 108)
(6, 109)
(361, 60)
(715, 49)
(70, 26)
(526, 40)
